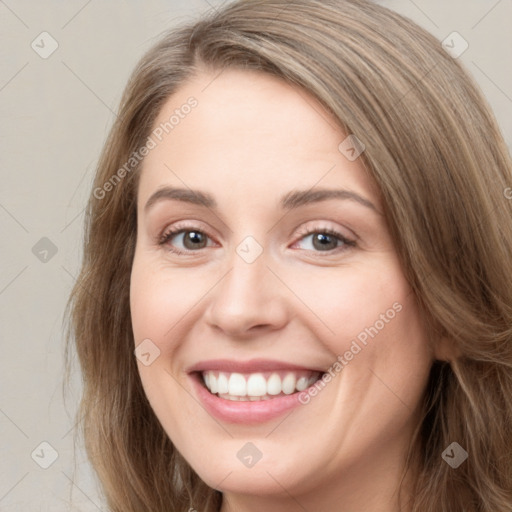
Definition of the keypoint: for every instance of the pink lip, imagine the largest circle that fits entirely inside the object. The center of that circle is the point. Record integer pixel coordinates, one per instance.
(252, 366)
(243, 412)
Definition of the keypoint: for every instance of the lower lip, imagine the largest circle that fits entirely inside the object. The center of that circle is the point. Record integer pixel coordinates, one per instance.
(245, 412)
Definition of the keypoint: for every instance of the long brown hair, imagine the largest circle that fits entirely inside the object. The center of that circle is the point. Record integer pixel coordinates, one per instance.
(436, 153)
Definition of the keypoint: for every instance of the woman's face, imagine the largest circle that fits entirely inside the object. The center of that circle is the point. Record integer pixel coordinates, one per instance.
(262, 261)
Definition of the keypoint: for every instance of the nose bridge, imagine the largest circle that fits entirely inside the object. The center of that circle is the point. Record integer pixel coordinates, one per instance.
(243, 280)
(247, 283)
(249, 295)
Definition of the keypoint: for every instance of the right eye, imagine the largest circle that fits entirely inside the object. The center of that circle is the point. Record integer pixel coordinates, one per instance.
(190, 240)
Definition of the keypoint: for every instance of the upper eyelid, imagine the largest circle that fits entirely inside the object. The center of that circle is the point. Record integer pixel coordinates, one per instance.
(305, 231)
(302, 231)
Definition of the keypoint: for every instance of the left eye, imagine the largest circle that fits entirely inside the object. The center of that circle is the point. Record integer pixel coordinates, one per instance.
(325, 241)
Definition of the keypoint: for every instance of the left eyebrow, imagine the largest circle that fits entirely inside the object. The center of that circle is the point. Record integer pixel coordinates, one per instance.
(298, 198)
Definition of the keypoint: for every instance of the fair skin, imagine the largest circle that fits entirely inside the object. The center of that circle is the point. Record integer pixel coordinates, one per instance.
(251, 140)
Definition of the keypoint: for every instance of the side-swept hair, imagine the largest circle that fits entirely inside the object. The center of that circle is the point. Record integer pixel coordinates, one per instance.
(436, 153)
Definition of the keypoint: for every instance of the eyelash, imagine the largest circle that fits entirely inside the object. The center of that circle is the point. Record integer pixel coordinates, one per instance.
(168, 234)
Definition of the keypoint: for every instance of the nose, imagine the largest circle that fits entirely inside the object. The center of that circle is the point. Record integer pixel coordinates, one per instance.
(248, 300)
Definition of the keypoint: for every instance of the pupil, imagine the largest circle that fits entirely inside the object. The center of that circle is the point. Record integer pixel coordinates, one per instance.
(321, 241)
(194, 237)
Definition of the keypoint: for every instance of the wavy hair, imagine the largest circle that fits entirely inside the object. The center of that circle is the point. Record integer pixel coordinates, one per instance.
(436, 153)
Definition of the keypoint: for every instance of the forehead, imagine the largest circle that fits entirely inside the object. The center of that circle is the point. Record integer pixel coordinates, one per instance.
(250, 130)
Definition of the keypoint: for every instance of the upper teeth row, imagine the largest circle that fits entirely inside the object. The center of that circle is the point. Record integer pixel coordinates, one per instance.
(258, 384)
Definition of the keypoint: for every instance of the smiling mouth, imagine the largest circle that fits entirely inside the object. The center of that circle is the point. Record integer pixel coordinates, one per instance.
(245, 387)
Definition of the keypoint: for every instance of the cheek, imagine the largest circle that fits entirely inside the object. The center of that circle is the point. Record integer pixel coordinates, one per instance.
(375, 326)
(156, 306)
(160, 298)
(152, 305)
(351, 302)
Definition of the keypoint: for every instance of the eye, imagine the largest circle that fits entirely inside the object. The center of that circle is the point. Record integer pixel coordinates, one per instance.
(325, 240)
(188, 239)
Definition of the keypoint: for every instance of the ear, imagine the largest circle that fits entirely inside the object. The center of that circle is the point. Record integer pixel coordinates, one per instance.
(445, 349)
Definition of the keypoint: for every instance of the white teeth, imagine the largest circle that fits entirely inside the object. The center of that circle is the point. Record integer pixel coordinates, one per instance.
(258, 386)
(274, 384)
(230, 397)
(288, 384)
(213, 383)
(222, 384)
(302, 383)
(237, 385)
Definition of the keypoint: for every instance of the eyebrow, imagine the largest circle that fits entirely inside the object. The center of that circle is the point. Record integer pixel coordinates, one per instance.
(290, 201)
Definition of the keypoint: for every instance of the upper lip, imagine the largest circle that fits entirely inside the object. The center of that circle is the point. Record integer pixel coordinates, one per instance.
(251, 366)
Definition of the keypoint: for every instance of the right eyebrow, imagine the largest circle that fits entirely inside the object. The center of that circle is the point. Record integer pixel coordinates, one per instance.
(181, 194)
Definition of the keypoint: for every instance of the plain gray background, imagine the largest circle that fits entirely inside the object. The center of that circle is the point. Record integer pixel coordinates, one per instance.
(56, 113)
